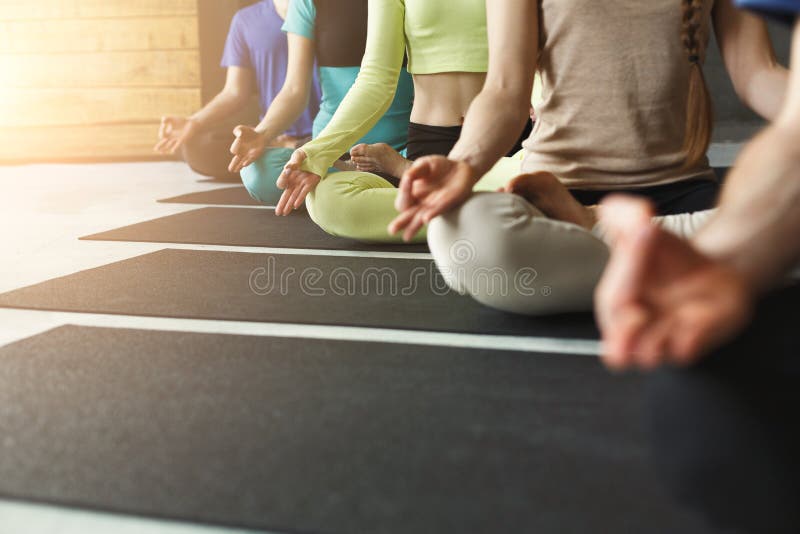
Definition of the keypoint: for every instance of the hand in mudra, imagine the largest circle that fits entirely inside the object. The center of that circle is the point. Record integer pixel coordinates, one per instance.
(296, 184)
(432, 186)
(174, 132)
(247, 147)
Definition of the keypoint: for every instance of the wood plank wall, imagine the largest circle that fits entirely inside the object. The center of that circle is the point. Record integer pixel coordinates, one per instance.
(84, 80)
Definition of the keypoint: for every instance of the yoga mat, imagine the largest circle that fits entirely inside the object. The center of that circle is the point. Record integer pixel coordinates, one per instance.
(242, 227)
(327, 290)
(220, 180)
(292, 435)
(226, 196)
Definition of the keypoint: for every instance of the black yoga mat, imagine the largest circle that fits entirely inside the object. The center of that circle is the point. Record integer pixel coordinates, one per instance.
(226, 196)
(242, 227)
(220, 180)
(346, 291)
(321, 436)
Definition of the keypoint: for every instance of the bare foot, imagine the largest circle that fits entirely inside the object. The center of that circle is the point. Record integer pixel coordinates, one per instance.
(379, 157)
(345, 165)
(546, 192)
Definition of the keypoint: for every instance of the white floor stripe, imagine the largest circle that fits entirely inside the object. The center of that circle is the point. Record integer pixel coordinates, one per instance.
(193, 205)
(286, 251)
(29, 518)
(47, 319)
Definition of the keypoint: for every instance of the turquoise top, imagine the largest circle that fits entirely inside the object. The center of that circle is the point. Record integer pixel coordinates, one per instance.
(435, 35)
(336, 81)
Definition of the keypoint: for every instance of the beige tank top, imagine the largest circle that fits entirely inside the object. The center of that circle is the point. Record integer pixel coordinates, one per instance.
(614, 86)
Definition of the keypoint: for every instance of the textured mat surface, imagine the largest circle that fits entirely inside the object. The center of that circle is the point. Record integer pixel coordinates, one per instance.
(226, 196)
(348, 291)
(242, 227)
(324, 436)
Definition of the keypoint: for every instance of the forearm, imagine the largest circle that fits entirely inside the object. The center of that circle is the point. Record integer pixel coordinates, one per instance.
(362, 108)
(497, 116)
(284, 111)
(221, 106)
(492, 127)
(371, 95)
(755, 228)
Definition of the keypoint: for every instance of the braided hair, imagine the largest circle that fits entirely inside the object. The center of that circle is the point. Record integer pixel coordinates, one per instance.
(699, 107)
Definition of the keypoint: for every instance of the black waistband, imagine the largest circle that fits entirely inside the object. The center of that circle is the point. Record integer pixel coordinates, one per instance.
(424, 140)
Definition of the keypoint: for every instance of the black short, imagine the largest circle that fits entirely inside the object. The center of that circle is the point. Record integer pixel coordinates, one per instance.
(424, 140)
(680, 197)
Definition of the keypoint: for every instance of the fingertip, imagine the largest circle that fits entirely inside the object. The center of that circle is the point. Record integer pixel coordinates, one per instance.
(615, 357)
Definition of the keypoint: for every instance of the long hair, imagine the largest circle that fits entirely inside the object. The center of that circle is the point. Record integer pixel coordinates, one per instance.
(699, 107)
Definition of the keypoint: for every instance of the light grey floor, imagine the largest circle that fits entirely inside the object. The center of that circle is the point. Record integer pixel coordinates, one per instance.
(47, 207)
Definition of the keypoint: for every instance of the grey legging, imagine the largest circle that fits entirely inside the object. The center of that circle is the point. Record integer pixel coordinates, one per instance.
(506, 254)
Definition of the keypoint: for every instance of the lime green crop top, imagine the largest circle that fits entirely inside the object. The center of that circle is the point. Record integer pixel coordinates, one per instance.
(446, 36)
(438, 36)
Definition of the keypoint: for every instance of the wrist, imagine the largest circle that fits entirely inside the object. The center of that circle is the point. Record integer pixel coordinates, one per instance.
(265, 134)
(470, 169)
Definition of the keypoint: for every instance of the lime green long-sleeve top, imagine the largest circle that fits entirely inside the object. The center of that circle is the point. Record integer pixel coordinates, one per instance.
(438, 36)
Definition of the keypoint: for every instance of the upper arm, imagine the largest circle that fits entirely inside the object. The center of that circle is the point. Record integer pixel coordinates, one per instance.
(513, 28)
(744, 42)
(237, 51)
(240, 81)
(300, 26)
(301, 19)
(372, 94)
(790, 115)
(386, 42)
(300, 71)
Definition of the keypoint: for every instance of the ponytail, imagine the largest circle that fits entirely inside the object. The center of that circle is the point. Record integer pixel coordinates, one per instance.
(699, 107)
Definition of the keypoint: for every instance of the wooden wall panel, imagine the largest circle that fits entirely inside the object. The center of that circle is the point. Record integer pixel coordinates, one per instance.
(81, 35)
(77, 143)
(64, 9)
(89, 79)
(62, 107)
(152, 68)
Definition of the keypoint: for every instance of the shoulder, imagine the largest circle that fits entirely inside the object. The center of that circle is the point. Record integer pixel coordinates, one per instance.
(782, 10)
(306, 7)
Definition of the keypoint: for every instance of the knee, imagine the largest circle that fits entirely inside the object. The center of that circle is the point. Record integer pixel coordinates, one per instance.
(467, 239)
(322, 208)
(342, 206)
(502, 251)
(261, 177)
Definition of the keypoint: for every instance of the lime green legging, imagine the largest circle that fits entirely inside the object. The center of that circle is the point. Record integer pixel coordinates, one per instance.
(360, 205)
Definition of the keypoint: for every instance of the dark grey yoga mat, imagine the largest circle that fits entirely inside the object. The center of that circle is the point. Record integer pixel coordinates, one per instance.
(226, 196)
(328, 290)
(242, 227)
(320, 436)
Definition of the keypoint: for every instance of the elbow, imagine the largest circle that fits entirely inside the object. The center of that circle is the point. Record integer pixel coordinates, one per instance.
(237, 97)
(293, 96)
(749, 83)
(511, 96)
(743, 87)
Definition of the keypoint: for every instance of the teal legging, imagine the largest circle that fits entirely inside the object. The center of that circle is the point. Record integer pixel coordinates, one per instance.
(260, 178)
